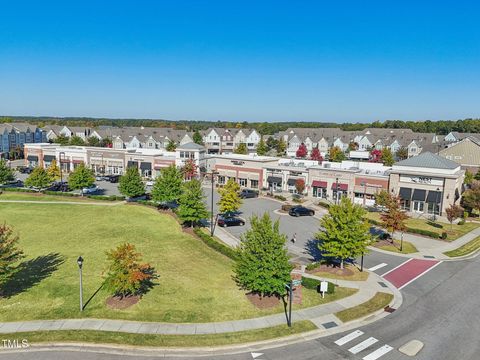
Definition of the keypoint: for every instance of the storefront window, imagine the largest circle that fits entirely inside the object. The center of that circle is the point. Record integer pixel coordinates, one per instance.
(254, 184)
(221, 180)
(319, 192)
(242, 182)
(405, 204)
(433, 208)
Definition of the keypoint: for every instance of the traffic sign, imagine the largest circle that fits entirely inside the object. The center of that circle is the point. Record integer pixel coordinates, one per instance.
(296, 282)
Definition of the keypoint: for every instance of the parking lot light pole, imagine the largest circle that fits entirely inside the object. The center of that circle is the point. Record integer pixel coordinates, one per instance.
(80, 265)
(436, 205)
(61, 170)
(211, 208)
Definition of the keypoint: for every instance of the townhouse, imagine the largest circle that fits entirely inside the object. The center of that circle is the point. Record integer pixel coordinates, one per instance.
(13, 137)
(225, 141)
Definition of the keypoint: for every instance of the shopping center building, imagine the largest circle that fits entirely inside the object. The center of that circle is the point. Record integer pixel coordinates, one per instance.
(427, 183)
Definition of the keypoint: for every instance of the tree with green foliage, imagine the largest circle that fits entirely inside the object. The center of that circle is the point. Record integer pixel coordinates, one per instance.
(336, 154)
(10, 254)
(229, 197)
(471, 198)
(477, 175)
(393, 217)
(281, 147)
(168, 185)
(402, 153)
(6, 172)
(345, 234)
(81, 177)
(382, 198)
(126, 275)
(171, 146)
(53, 170)
(106, 142)
(241, 149)
(39, 179)
(387, 157)
(131, 184)
(469, 177)
(93, 141)
(262, 147)
(76, 141)
(197, 138)
(262, 266)
(62, 140)
(192, 208)
(272, 143)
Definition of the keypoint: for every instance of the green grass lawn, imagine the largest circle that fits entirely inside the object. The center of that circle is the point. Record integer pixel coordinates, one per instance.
(407, 248)
(110, 337)
(379, 301)
(356, 276)
(466, 249)
(195, 282)
(43, 197)
(454, 231)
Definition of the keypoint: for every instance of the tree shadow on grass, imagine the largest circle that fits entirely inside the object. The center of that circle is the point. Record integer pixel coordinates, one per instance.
(31, 272)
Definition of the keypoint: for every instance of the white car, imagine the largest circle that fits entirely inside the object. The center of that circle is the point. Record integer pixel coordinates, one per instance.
(149, 183)
(90, 190)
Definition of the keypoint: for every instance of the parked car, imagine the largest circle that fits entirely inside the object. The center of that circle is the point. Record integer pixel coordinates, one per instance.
(14, 183)
(149, 183)
(248, 194)
(230, 221)
(24, 169)
(113, 178)
(59, 186)
(102, 178)
(385, 236)
(300, 211)
(90, 190)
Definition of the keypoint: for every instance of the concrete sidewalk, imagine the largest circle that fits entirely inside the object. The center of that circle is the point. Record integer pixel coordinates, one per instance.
(432, 248)
(323, 316)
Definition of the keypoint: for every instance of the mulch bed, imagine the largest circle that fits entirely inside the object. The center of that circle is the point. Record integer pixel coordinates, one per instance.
(332, 270)
(381, 243)
(263, 302)
(119, 303)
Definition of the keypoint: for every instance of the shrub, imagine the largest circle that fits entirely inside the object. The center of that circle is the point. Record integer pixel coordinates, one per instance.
(280, 197)
(461, 222)
(215, 244)
(286, 207)
(323, 204)
(314, 284)
(423, 232)
(19, 190)
(59, 193)
(107, 197)
(444, 235)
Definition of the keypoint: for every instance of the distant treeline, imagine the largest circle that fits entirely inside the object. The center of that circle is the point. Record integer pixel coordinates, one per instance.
(441, 127)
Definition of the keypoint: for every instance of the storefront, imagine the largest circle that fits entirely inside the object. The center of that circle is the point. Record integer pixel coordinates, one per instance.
(427, 183)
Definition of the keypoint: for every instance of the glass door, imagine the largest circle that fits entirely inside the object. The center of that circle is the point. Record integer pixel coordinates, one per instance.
(418, 206)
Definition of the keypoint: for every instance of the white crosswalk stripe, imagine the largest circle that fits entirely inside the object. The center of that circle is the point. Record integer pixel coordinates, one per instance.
(379, 266)
(363, 345)
(349, 337)
(378, 353)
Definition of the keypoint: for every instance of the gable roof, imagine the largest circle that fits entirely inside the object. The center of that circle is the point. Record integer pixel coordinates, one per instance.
(428, 160)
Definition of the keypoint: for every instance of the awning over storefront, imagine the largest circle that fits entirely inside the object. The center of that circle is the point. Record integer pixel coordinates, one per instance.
(77, 161)
(341, 187)
(132, 164)
(291, 181)
(419, 195)
(405, 193)
(145, 166)
(32, 158)
(48, 158)
(434, 197)
(320, 184)
(274, 179)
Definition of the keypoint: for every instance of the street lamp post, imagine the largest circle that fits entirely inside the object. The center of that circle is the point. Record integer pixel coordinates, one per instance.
(211, 208)
(401, 242)
(80, 265)
(61, 167)
(364, 184)
(336, 189)
(290, 299)
(436, 205)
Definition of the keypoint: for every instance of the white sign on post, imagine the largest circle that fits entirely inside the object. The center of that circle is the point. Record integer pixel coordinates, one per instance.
(323, 287)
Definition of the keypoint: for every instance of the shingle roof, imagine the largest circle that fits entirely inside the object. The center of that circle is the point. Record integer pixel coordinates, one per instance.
(428, 160)
(191, 146)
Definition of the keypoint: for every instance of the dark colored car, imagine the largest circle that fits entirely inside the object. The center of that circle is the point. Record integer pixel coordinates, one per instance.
(301, 211)
(24, 169)
(59, 186)
(230, 221)
(248, 194)
(113, 178)
(385, 236)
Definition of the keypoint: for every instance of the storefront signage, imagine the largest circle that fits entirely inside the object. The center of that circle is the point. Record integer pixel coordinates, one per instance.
(422, 180)
(238, 162)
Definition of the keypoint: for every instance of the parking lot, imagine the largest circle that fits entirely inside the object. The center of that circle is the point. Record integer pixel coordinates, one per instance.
(304, 227)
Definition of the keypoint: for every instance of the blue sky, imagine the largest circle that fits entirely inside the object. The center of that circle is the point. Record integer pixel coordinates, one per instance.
(241, 60)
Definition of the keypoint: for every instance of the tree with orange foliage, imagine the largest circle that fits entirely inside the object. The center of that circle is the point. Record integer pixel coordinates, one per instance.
(126, 276)
(189, 169)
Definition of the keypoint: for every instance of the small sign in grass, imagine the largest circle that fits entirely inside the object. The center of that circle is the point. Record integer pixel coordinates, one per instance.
(379, 301)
